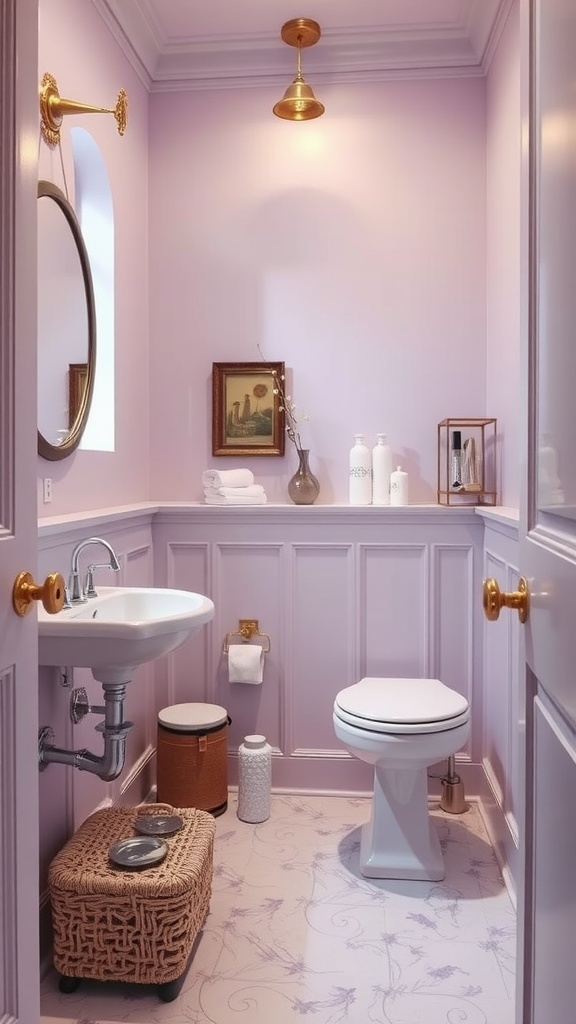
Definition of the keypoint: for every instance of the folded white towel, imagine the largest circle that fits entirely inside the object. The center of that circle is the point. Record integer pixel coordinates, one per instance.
(223, 499)
(227, 478)
(235, 492)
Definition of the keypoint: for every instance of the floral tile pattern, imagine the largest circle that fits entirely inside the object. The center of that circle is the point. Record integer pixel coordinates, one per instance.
(296, 933)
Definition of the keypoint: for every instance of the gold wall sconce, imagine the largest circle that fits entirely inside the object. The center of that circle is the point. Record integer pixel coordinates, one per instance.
(299, 102)
(53, 108)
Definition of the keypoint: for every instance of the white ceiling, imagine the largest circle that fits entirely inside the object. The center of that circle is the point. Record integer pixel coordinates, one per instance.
(206, 44)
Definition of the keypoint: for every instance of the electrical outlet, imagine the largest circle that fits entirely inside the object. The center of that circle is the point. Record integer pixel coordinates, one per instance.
(47, 489)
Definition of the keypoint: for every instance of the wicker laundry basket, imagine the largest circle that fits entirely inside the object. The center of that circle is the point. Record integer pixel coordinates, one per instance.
(113, 924)
(192, 755)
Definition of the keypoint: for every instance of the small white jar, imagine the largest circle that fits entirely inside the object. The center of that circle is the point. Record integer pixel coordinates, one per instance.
(399, 487)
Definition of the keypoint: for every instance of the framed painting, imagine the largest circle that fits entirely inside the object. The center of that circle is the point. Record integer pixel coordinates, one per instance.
(77, 379)
(247, 418)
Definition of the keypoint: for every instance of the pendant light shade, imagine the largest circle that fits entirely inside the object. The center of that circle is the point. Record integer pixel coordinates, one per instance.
(299, 102)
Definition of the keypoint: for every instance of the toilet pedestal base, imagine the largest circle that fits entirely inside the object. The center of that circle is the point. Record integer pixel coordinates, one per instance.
(400, 840)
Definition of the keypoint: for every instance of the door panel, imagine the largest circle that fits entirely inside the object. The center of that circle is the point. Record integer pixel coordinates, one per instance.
(554, 67)
(19, 969)
(555, 892)
(548, 539)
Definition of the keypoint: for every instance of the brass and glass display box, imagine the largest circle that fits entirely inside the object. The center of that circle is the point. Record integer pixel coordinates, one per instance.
(467, 450)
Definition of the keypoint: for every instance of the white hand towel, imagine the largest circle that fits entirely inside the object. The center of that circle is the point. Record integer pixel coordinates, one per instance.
(227, 478)
(224, 499)
(246, 663)
(235, 492)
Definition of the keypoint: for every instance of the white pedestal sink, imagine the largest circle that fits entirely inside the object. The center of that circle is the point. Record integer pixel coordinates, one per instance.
(121, 628)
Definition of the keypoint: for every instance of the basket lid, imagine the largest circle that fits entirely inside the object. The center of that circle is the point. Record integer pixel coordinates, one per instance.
(189, 717)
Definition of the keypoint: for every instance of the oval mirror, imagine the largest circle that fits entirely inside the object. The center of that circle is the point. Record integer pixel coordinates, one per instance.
(66, 326)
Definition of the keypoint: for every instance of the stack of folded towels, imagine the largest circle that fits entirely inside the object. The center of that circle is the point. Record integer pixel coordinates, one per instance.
(232, 487)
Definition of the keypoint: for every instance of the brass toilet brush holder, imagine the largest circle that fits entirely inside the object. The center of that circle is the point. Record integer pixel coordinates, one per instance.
(452, 800)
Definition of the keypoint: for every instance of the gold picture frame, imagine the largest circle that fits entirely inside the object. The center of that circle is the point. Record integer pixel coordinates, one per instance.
(77, 381)
(247, 417)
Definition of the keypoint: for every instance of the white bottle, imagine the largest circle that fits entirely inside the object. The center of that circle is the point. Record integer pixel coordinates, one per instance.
(360, 489)
(399, 487)
(381, 471)
(254, 779)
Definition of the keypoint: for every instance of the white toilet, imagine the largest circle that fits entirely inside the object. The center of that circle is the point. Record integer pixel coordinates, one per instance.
(401, 726)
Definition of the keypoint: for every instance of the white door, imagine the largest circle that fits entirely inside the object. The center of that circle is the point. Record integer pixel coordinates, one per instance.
(19, 968)
(548, 547)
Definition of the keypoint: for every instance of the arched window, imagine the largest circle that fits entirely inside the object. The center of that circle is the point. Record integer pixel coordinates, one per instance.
(95, 212)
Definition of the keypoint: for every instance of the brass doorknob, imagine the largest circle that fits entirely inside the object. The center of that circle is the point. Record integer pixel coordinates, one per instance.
(25, 592)
(493, 599)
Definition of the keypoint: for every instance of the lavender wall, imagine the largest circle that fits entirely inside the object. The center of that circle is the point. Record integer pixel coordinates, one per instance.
(503, 263)
(352, 247)
(76, 47)
(375, 251)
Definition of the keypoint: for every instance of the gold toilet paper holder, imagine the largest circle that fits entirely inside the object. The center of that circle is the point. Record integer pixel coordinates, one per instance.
(247, 630)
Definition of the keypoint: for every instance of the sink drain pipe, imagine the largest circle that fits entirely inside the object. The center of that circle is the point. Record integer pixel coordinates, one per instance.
(114, 729)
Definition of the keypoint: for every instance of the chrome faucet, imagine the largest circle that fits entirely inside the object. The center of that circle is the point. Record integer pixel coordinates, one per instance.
(77, 594)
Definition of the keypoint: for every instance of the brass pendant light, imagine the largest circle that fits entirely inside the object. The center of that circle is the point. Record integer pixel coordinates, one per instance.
(299, 102)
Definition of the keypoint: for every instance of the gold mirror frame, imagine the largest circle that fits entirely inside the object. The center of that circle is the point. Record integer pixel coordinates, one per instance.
(47, 450)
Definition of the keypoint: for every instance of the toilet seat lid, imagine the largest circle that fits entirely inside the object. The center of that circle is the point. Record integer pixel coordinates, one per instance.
(401, 701)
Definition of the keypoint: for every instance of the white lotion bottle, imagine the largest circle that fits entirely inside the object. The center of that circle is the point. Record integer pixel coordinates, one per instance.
(381, 471)
(360, 487)
(399, 487)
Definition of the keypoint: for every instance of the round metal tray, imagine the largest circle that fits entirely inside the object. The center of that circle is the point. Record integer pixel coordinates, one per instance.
(138, 852)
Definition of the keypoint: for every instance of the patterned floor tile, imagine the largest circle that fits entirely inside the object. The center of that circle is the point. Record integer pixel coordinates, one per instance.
(296, 932)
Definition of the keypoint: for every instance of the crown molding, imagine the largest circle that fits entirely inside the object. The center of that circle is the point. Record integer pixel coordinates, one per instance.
(459, 48)
(495, 33)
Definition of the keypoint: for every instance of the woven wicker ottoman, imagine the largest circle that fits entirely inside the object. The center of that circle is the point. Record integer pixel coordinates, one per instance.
(114, 924)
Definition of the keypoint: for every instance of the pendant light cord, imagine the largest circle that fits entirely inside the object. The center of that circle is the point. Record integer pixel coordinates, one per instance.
(298, 65)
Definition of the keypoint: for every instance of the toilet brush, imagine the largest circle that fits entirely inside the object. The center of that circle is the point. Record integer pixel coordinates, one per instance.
(452, 799)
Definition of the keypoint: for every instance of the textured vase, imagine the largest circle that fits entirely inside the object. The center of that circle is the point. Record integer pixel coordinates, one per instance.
(254, 779)
(303, 488)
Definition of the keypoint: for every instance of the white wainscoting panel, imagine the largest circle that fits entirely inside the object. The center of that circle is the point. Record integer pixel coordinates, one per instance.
(342, 592)
(454, 615)
(249, 583)
(501, 681)
(184, 675)
(502, 701)
(498, 712)
(139, 706)
(393, 610)
(321, 643)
